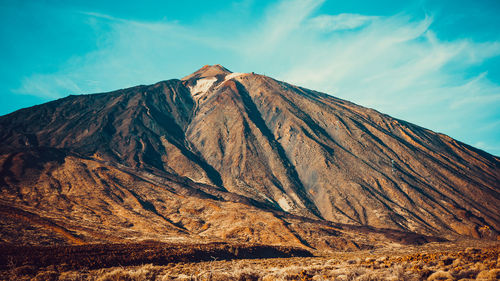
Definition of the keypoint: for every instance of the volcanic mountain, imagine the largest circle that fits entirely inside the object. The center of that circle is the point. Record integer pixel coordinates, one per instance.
(235, 156)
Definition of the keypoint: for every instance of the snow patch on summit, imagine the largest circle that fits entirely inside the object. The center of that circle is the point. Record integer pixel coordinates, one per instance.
(201, 87)
(229, 77)
(232, 75)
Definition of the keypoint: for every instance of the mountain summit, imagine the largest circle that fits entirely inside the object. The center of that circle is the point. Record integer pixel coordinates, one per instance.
(208, 71)
(222, 155)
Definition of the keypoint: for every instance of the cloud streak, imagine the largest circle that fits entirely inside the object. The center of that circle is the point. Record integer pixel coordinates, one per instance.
(329, 23)
(395, 64)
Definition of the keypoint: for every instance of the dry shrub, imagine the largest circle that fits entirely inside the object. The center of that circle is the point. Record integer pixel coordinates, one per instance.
(396, 273)
(350, 273)
(471, 250)
(180, 277)
(493, 274)
(146, 272)
(270, 277)
(25, 270)
(446, 261)
(440, 275)
(399, 273)
(46, 276)
(244, 274)
(252, 276)
(354, 261)
(217, 276)
(214, 275)
(466, 273)
(73, 276)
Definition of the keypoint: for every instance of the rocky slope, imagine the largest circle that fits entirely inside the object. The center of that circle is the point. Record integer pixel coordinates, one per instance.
(221, 155)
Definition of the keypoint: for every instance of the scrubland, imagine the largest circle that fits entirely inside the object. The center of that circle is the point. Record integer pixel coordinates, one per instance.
(434, 261)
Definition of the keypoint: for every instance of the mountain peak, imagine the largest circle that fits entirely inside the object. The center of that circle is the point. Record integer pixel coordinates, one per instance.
(208, 71)
(229, 156)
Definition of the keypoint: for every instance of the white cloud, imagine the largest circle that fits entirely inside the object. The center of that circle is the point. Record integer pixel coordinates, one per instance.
(48, 86)
(339, 22)
(396, 64)
(280, 21)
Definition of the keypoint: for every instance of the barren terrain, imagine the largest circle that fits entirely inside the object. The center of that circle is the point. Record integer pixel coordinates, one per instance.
(187, 179)
(433, 261)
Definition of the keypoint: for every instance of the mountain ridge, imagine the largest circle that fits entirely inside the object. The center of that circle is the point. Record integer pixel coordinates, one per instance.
(282, 147)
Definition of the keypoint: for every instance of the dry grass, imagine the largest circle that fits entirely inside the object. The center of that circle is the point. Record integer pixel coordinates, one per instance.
(465, 264)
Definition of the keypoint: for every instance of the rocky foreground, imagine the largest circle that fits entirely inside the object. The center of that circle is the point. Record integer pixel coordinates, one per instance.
(434, 261)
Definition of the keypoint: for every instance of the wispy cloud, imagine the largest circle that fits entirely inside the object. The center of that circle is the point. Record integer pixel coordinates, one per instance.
(48, 85)
(329, 23)
(395, 64)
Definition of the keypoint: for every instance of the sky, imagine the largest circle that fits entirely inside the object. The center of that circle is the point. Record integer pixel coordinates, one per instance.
(433, 63)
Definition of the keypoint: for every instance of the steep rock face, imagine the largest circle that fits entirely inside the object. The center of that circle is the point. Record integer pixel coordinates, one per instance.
(232, 136)
(282, 147)
(139, 127)
(371, 169)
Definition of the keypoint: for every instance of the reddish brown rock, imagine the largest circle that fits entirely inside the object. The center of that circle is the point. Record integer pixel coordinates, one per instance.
(221, 155)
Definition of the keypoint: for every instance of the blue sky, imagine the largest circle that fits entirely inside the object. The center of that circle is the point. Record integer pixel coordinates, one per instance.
(433, 63)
